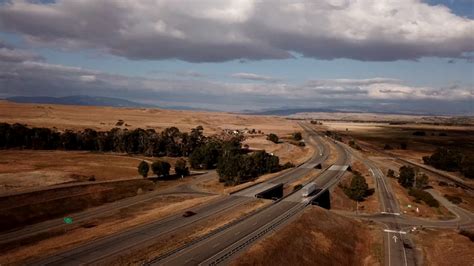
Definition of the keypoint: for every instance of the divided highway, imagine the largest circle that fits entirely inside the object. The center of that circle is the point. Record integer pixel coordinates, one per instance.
(225, 244)
(101, 250)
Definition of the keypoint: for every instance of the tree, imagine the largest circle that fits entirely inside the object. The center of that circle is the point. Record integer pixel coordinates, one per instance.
(403, 145)
(390, 173)
(387, 147)
(161, 168)
(143, 169)
(297, 136)
(273, 138)
(180, 168)
(358, 189)
(407, 176)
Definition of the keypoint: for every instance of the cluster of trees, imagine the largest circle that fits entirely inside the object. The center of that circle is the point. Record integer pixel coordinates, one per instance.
(451, 160)
(234, 167)
(169, 142)
(207, 155)
(415, 184)
(162, 168)
(409, 179)
(358, 189)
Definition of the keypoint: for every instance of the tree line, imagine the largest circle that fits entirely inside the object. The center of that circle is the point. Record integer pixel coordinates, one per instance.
(170, 142)
(451, 160)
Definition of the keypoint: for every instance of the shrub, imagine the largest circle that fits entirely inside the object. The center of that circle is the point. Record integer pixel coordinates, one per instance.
(390, 173)
(273, 138)
(419, 133)
(468, 234)
(143, 169)
(454, 199)
(287, 165)
(421, 181)
(421, 195)
(387, 147)
(403, 145)
(297, 136)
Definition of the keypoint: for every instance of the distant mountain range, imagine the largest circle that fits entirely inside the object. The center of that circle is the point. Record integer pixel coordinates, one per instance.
(80, 100)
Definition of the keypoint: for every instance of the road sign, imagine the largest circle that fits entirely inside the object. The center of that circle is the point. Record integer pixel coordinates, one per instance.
(67, 220)
(395, 238)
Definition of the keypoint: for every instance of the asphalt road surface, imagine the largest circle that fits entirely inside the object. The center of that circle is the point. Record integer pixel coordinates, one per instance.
(225, 244)
(97, 251)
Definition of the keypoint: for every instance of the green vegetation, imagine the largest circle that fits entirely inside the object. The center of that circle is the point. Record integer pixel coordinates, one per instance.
(180, 168)
(235, 168)
(407, 176)
(421, 181)
(358, 189)
(451, 160)
(273, 138)
(421, 195)
(170, 142)
(297, 136)
(161, 168)
(454, 199)
(143, 169)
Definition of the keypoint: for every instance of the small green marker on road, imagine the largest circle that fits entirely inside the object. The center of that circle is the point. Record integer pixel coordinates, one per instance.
(67, 220)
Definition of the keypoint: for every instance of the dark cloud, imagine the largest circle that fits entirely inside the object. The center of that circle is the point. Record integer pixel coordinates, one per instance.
(215, 31)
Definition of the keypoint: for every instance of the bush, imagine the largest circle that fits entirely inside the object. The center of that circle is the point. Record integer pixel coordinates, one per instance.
(454, 199)
(273, 138)
(143, 169)
(421, 195)
(287, 165)
(443, 184)
(390, 173)
(161, 168)
(403, 145)
(421, 181)
(387, 147)
(297, 136)
(468, 234)
(180, 168)
(419, 133)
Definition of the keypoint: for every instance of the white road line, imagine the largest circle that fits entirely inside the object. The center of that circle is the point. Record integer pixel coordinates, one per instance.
(394, 231)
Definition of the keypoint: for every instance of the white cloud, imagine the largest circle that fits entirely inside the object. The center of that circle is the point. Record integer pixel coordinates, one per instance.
(252, 76)
(215, 30)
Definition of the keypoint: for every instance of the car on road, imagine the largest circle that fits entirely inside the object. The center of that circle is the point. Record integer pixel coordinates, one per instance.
(188, 213)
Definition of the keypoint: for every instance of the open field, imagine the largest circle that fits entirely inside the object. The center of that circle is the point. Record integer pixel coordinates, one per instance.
(315, 238)
(105, 118)
(23, 169)
(444, 247)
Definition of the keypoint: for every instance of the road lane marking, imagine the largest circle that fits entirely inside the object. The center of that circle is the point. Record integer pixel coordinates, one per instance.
(394, 231)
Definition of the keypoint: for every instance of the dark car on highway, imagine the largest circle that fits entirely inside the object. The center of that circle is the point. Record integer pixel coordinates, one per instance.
(188, 213)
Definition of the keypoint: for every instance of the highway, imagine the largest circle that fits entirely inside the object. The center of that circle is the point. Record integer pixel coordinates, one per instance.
(108, 247)
(52, 225)
(229, 242)
(399, 249)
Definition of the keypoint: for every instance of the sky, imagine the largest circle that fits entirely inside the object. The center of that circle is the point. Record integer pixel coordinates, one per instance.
(409, 56)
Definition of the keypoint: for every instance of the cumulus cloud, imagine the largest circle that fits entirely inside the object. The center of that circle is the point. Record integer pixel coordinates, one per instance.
(214, 30)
